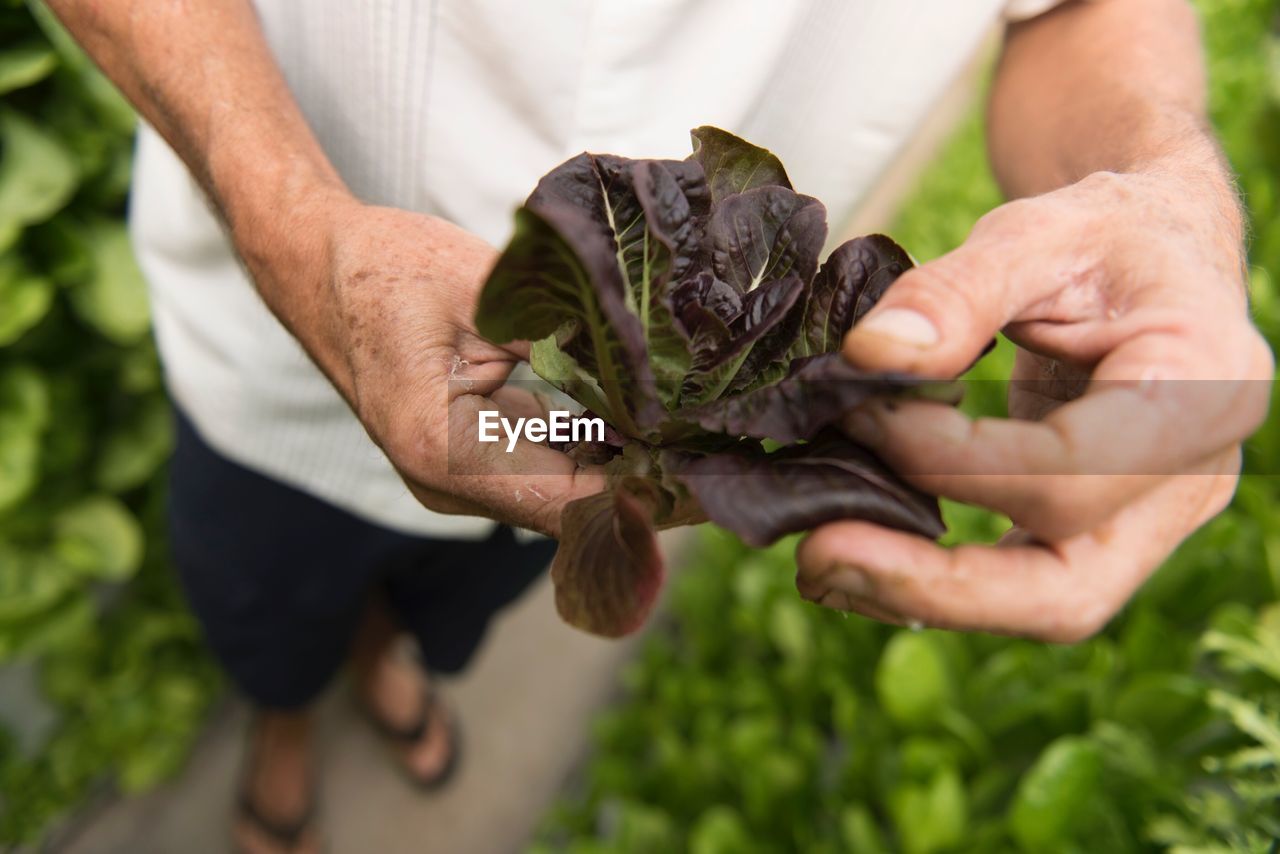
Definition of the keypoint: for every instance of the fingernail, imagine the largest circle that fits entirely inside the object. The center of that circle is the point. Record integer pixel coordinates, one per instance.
(810, 590)
(836, 600)
(902, 325)
(840, 582)
(862, 425)
(852, 580)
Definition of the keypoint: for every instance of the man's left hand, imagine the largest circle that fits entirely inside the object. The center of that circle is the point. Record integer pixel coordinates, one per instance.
(1137, 377)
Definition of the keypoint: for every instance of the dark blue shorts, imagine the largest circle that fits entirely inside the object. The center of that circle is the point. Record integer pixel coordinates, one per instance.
(279, 579)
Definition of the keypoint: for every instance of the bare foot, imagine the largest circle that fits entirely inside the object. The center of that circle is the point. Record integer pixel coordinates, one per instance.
(393, 688)
(278, 788)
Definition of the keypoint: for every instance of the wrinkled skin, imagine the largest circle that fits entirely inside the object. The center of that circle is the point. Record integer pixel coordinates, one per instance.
(417, 374)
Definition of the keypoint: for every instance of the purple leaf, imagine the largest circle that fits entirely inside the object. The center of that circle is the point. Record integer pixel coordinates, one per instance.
(817, 392)
(761, 496)
(696, 298)
(682, 301)
(559, 272)
(851, 281)
(651, 214)
(608, 570)
(719, 349)
(766, 234)
(733, 165)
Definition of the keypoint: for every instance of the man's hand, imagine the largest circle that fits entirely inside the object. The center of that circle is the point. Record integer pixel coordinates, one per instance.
(400, 290)
(1121, 287)
(1119, 274)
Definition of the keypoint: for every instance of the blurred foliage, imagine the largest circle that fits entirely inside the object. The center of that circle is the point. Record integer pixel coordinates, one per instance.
(84, 432)
(1238, 807)
(756, 722)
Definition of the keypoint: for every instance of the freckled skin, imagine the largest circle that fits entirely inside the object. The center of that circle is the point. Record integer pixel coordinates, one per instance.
(407, 359)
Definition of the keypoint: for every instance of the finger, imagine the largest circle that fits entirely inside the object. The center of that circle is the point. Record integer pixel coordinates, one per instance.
(520, 403)
(1066, 473)
(1021, 469)
(1061, 592)
(519, 349)
(1029, 471)
(1038, 385)
(465, 377)
(936, 318)
(524, 483)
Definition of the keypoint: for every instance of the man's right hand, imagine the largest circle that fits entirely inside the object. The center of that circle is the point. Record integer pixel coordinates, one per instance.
(395, 333)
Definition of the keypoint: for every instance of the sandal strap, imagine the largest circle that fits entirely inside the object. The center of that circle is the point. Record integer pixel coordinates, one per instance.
(435, 713)
(288, 833)
(412, 734)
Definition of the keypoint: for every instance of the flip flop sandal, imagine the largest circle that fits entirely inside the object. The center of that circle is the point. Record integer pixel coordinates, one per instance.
(434, 713)
(286, 834)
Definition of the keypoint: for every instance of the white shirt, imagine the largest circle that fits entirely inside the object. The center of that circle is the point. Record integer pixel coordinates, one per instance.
(457, 107)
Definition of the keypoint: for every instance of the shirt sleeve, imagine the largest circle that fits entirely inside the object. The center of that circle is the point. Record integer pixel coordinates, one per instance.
(1021, 10)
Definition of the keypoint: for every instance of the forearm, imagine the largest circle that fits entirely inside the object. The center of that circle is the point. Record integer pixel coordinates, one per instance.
(1110, 85)
(202, 75)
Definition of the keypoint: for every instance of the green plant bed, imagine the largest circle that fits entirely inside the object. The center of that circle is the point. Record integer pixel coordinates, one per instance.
(85, 589)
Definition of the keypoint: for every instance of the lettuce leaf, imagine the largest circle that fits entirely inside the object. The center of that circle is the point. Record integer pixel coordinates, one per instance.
(684, 303)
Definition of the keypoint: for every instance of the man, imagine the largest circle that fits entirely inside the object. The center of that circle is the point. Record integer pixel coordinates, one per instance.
(364, 159)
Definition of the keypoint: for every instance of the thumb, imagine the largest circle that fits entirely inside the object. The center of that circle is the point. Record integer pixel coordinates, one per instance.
(519, 349)
(936, 319)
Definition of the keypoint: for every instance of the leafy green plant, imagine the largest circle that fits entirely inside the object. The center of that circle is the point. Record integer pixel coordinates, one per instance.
(1237, 809)
(85, 592)
(683, 303)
